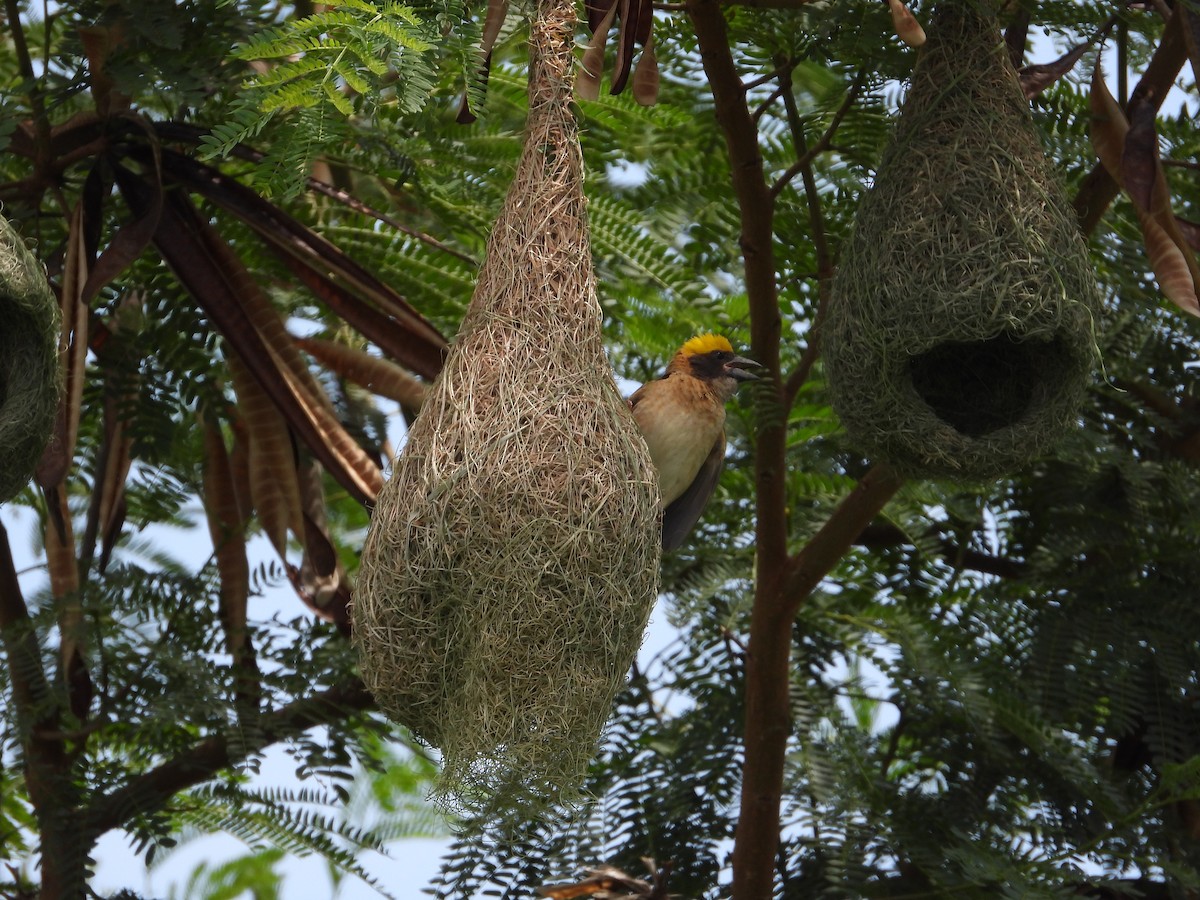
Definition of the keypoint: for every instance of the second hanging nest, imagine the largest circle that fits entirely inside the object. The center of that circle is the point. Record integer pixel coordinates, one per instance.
(959, 339)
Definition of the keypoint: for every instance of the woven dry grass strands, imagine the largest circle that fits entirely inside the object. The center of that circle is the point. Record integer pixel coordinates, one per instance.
(512, 559)
(960, 336)
(29, 371)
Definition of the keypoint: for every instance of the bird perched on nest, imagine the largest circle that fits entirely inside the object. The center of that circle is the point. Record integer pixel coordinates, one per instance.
(682, 417)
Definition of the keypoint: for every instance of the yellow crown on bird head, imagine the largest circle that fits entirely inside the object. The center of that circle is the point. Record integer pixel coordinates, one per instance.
(706, 343)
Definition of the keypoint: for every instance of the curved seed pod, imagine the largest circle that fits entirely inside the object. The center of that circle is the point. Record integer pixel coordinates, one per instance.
(272, 461)
(380, 376)
(227, 529)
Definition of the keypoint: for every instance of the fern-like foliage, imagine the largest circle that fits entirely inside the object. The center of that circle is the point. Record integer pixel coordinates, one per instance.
(317, 75)
(302, 823)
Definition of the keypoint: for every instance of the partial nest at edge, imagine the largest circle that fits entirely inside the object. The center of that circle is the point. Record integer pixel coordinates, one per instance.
(29, 370)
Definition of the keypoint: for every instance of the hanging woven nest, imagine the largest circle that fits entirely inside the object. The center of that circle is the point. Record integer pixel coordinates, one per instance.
(29, 375)
(959, 339)
(513, 556)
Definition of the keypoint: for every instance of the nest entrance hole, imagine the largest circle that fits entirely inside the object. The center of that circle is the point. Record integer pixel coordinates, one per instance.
(979, 387)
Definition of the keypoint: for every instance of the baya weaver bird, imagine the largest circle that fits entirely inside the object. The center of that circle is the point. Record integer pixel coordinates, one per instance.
(682, 417)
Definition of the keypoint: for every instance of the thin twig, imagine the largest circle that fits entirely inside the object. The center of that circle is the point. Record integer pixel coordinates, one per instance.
(728, 635)
(881, 534)
(25, 66)
(785, 69)
(825, 273)
(816, 219)
(768, 103)
(893, 746)
(823, 143)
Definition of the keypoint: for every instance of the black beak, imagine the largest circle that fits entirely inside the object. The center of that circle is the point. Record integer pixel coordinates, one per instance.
(736, 368)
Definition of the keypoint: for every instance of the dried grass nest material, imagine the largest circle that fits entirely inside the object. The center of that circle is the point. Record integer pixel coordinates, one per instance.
(959, 340)
(513, 555)
(29, 374)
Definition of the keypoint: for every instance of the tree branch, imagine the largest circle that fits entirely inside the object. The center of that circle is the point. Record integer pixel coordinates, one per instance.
(883, 534)
(183, 131)
(768, 680)
(47, 765)
(766, 105)
(784, 70)
(756, 208)
(37, 704)
(31, 688)
(829, 545)
(25, 66)
(149, 791)
(1016, 35)
(910, 884)
(1155, 399)
(1189, 28)
(758, 826)
(768, 4)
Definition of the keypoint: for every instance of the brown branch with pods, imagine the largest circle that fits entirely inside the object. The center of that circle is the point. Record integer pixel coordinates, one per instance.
(1128, 150)
(1099, 187)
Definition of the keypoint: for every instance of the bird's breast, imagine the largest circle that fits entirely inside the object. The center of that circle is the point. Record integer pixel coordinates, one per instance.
(681, 422)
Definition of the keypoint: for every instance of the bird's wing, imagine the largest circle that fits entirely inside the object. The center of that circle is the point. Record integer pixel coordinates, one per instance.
(637, 395)
(684, 511)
